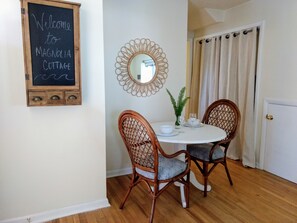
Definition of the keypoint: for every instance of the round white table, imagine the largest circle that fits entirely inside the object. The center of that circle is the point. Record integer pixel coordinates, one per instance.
(190, 135)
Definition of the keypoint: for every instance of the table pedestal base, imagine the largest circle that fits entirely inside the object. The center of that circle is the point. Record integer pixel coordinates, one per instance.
(198, 185)
(195, 182)
(193, 178)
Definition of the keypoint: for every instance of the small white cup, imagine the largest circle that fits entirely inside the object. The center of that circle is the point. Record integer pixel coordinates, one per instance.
(193, 115)
(193, 122)
(166, 129)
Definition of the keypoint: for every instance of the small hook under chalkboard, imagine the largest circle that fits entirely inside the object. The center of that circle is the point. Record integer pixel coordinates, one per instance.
(37, 98)
(72, 97)
(55, 97)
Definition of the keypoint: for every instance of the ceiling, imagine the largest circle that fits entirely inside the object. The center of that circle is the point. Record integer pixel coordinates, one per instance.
(207, 12)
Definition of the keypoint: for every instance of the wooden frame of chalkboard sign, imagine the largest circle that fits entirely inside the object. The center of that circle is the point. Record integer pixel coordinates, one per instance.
(51, 39)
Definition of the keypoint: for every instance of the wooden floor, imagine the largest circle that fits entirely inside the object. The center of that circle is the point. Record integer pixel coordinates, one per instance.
(256, 197)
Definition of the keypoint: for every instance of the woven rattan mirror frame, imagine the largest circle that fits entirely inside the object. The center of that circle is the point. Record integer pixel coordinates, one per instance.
(123, 61)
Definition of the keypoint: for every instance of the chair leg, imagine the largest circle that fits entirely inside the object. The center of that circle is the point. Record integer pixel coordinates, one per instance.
(132, 184)
(187, 187)
(153, 209)
(227, 172)
(126, 196)
(205, 176)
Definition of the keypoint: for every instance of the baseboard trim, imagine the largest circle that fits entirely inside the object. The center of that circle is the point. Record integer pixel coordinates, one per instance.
(119, 172)
(59, 213)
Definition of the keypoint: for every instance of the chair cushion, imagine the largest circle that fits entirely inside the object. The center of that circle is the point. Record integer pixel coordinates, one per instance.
(168, 168)
(201, 151)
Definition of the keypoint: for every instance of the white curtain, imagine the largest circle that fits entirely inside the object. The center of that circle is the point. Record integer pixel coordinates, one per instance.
(225, 67)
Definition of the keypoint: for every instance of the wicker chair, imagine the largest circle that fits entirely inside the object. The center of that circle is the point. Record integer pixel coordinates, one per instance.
(225, 115)
(150, 164)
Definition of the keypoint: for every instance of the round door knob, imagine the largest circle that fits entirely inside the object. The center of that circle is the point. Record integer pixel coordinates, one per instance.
(269, 117)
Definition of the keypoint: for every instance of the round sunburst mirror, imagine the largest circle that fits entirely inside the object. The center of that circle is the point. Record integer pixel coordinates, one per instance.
(141, 67)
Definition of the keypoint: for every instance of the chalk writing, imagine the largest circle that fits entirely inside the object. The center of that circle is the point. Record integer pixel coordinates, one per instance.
(49, 23)
(53, 76)
(54, 65)
(51, 39)
(52, 53)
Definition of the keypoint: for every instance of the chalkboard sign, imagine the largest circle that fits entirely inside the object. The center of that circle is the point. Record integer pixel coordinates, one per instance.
(52, 45)
(51, 51)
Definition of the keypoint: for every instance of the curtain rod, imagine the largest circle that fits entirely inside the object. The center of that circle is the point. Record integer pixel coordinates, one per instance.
(227, 35)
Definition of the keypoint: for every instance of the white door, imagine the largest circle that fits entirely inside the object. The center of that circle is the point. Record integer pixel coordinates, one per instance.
(280, 156)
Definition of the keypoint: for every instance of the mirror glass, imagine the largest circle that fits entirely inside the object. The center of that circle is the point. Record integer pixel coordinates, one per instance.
(142, 68)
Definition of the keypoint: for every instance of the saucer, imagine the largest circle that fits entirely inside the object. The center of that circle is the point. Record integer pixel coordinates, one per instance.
(195, 126)
(174, 133)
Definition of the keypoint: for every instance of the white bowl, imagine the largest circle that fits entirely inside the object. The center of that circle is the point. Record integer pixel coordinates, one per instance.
(166, 129)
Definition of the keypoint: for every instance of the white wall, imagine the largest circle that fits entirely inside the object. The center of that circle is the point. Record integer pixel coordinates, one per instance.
(278, 66)
(164, 22)
(51, 157)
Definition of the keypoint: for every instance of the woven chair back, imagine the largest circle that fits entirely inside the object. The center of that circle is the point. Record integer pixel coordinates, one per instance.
(140, 140)
(225, 115)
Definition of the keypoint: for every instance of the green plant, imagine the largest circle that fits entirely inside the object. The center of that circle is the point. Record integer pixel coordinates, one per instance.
(178, 105)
